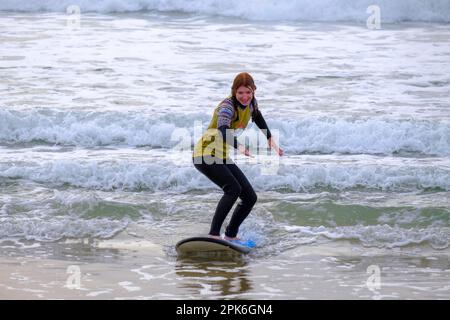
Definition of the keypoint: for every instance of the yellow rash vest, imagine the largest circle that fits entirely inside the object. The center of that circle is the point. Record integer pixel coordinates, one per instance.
(211, 143)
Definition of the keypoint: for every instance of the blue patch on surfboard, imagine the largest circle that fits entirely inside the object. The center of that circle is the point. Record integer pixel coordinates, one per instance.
(207, 244)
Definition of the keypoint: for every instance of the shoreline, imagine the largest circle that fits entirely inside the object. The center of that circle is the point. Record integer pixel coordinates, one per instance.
(141, 270)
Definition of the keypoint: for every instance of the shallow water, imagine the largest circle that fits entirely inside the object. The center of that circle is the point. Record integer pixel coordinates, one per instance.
(97, 122)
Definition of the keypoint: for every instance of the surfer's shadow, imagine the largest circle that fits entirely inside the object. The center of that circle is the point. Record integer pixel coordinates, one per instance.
(218, 276)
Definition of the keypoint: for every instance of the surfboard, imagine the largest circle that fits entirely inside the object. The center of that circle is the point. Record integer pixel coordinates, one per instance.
(207, 244)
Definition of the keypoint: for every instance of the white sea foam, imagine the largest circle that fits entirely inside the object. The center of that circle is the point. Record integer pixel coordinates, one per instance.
(47, 217)
(86, 129)
(382, 236)
(304, 135)
(384, 95)
(268, 10)
(53, 229)
(328, 135)
(299, 174)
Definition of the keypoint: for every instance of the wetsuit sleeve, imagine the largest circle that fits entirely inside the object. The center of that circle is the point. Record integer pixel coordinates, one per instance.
(223, 131)
(261, 123)
(225, 115)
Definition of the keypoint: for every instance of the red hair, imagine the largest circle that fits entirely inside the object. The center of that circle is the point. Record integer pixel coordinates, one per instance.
(242, 79)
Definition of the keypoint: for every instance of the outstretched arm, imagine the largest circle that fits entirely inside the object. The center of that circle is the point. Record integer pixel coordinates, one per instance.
(261, 123)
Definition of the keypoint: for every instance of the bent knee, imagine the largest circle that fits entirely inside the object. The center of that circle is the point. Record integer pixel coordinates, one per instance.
(233, 190)
(250, 198)
(254, 198)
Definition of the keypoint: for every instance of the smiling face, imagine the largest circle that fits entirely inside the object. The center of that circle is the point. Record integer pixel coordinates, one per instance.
(244, 95)
(243, 88)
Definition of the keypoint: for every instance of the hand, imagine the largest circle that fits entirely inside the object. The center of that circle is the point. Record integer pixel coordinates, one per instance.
(274, 146)
(245, 151)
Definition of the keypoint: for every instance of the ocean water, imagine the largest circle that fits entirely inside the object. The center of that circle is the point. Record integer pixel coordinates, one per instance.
(99, 112)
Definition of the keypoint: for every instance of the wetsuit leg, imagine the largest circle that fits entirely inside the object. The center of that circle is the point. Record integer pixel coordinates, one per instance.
(222, 176)
(234, 184)
(248, 199)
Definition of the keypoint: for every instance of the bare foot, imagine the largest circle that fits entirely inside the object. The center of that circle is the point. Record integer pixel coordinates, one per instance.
(231, 238)
(214, 237)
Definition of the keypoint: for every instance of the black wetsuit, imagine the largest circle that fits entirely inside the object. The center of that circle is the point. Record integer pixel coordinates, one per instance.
(231, 180)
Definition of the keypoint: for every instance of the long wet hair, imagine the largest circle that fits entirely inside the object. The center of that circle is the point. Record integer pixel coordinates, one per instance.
(246, 80)
(243, 79)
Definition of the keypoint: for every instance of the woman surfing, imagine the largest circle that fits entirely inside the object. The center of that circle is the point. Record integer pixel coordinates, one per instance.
(211, 154)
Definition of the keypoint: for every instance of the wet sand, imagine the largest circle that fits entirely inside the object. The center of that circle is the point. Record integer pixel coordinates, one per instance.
(138, 269)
